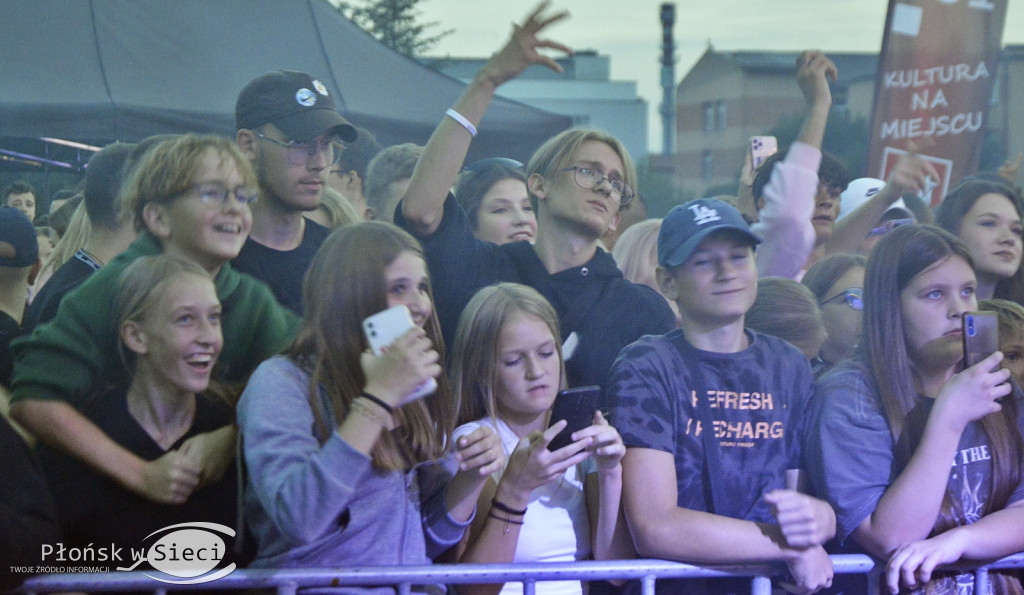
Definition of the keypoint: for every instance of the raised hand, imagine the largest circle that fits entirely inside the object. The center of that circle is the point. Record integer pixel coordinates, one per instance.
(814, 70)
(521, 50)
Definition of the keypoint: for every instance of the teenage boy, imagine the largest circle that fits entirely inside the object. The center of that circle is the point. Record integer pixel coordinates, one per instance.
(579, 180)
(289, 129)
(712, 415)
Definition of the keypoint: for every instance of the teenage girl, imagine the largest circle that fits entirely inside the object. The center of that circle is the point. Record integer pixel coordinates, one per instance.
(543, 506)
(342, 471)
(917, 456)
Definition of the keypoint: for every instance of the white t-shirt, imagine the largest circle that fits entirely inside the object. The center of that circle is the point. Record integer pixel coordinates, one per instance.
(556, 527)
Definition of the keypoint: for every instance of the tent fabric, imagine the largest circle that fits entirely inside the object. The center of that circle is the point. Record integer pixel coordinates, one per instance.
(104, 70)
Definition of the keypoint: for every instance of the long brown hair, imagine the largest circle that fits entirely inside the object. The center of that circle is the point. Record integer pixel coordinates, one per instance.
(901, 255)
(345, 283)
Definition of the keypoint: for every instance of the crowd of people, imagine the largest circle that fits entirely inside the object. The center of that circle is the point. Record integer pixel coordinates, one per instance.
(780, 372)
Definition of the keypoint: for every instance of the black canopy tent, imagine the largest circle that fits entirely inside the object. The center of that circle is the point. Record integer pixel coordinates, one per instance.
(104, 70)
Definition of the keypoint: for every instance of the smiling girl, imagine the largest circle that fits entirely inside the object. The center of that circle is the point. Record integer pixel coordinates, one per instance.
(543, 506)
(168, 316)
(917, 456)
(342, 470)
(190, 197)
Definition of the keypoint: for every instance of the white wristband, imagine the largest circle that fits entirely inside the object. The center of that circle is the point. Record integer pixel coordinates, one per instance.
(454, 115)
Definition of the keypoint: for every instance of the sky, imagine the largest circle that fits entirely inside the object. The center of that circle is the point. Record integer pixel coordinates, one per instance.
(629, 31)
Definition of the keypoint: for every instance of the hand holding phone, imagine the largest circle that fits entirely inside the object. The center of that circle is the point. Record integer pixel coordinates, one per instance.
(382, 329)
(980, 336)
(577, 406)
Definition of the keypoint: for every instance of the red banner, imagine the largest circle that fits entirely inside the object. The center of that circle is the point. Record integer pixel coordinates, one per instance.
(935, 77)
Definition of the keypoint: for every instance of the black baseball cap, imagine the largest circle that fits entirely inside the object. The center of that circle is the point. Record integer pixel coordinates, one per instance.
(296, 103)
(686, 226)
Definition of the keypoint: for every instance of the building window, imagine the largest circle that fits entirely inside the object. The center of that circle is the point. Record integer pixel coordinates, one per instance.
(706, 165)
(709, 116)
(720, 115)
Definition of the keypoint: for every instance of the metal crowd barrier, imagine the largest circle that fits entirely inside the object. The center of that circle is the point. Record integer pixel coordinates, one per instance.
(288, 581)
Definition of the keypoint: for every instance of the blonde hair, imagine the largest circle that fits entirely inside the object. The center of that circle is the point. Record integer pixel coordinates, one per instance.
(166, 172)
(558, 152)
(475, 357)
(73, 240)
(636, 251)
(338, 210)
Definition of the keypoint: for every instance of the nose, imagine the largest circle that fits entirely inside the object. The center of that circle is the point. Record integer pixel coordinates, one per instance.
(533, 368)
(209, 333)
(419, 304)
(962, 304)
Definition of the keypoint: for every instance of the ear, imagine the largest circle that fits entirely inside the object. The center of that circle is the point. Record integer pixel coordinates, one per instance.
(760, 204)
(537, 187)
(155, 216)
(246, 141)
(370, 214)
(667, 283)
(133, 337)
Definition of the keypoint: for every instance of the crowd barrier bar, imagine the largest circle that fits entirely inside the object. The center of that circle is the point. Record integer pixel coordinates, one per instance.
(288, 580)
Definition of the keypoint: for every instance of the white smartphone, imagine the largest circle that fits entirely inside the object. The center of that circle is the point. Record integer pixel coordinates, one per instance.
(382, 329)
(761, 148)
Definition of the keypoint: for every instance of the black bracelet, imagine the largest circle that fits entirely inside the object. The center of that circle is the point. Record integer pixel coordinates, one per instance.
(384, 406)
(505, 520)
(495, 503)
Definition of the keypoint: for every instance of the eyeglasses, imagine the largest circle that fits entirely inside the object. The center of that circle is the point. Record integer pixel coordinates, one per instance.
(301, 153)
(853, 297)
(589, 178)
(216, 194)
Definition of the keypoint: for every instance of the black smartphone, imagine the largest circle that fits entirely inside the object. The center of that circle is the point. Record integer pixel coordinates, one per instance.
(981, 336)
(577, 406)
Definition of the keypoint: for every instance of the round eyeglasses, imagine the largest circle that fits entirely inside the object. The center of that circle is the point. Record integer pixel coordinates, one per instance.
(215, 194)
(301, 153)
(852, 297)
(589, 178)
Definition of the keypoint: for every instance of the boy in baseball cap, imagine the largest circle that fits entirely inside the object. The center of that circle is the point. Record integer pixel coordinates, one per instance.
(712, 414)
(289, 128)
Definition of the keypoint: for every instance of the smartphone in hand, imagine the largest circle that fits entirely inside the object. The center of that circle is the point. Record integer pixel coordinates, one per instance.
(577, 406)
(384, 328)
(980, 335)
(761, 148)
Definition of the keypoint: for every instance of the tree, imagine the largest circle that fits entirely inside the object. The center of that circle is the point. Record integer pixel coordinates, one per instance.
(394, 23)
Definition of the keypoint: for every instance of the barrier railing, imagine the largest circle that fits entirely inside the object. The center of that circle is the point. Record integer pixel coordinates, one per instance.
(288, 581)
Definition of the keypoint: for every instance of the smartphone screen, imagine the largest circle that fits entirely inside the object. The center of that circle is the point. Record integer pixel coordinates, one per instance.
(577, 406)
